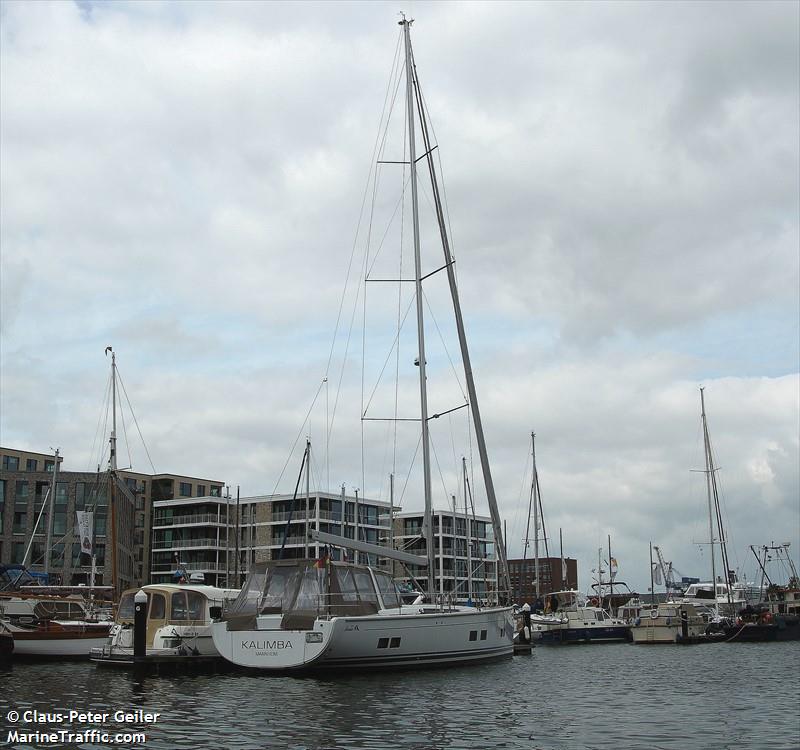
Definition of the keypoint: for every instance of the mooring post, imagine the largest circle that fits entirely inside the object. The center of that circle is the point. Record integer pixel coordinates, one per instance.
(140, 627)
(525, 634)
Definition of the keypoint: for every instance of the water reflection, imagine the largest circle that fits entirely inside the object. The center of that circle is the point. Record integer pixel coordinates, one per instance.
(562, 698)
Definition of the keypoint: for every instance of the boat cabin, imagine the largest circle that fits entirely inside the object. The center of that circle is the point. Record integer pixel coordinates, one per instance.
(173, 604)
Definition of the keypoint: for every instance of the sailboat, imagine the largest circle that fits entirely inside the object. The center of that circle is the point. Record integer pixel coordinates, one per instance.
(61, 621)
(326, 614)
(699, 613)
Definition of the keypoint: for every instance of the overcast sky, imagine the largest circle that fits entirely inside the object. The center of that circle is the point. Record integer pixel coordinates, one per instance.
(183, 181)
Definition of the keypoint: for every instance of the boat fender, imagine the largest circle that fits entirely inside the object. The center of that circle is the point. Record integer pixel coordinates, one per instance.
(669, 621)
(637, 621)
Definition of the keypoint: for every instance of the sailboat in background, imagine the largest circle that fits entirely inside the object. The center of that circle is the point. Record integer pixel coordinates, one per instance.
(301, 614)
(603, 594)
(59, 620)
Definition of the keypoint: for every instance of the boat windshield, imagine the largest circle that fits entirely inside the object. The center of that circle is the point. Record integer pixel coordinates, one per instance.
(126, 607)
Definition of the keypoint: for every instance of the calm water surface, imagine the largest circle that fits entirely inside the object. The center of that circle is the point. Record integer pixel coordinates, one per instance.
(560, 698)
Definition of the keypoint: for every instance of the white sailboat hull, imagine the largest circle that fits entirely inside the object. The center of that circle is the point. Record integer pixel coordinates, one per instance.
(384, 640)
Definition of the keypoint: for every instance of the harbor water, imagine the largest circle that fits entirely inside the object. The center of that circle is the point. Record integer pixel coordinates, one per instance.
(711, 696)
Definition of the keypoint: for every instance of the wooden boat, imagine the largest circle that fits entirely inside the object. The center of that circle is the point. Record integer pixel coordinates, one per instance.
(52, 626)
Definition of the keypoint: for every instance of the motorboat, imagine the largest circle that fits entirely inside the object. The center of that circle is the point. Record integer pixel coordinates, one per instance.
(178, 622)
(572, 618)
(674, 622)
(777, 616)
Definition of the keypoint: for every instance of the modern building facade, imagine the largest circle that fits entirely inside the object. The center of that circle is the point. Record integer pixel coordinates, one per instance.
(121, 557)
(466, 565)
(523, 577)
(220, 537)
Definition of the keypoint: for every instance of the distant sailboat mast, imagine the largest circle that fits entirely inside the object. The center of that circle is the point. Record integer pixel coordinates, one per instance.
(714, 510)
(112, 466)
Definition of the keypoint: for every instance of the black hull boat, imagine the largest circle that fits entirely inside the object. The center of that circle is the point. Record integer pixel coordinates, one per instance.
(764, 626)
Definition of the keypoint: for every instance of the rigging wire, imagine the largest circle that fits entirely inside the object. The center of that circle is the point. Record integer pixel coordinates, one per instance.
(395, 343)
(103, 413)
(299, 433)
(410, 467)
(400, 293)
(135, 421)
(444, 346)
(372, 166)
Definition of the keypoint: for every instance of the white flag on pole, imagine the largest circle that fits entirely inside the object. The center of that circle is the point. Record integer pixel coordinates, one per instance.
(84, 529)
(657, 574)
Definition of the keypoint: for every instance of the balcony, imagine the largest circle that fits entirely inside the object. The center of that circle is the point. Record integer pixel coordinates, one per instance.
(193, 520)
(206, 567)
(163, 544)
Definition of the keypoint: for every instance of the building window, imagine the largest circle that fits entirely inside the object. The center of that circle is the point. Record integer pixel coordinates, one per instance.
(31, 464)
(185, 489)
(49, 464)
(10, 463)
(61, 493)
(57, 555)
(22, 491)
(80, 495)
(201, 490)
(18, 552)
(215, 491)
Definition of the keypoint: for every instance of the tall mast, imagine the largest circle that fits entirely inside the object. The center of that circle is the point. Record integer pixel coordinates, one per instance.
(49, 543)
(534, 485)
(112, 468)
(468, 525)
(308, 492)
(423, 388)
(499, 544)
(709, 492)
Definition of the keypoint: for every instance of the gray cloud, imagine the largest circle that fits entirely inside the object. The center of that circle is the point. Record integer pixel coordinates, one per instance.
(183, 181)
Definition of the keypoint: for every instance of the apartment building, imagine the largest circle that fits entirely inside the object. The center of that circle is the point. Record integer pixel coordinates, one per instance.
(466, 564)
(25, 479)
(219, 537)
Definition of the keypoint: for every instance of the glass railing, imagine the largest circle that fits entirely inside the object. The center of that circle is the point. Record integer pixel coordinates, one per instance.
(195, 518)
(182, 543)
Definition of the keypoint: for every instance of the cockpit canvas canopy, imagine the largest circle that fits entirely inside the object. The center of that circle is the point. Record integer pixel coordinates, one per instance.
(302, 590)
